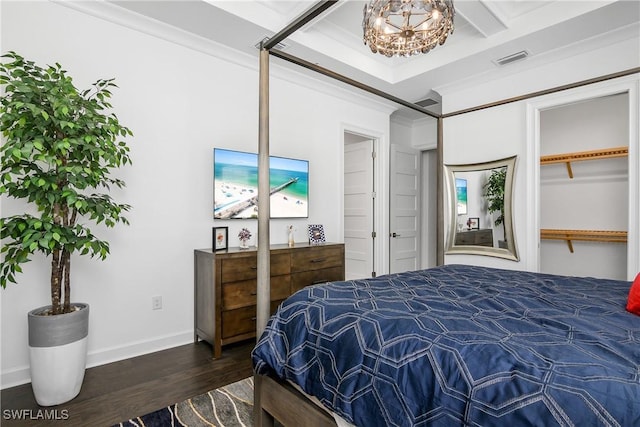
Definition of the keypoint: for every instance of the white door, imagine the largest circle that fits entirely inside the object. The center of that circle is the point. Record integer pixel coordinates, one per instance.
(358, 208)
(404, 209)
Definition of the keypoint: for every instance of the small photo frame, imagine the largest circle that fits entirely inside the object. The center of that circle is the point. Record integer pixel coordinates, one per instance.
(473, 223)
(220, 238)
(316, 234)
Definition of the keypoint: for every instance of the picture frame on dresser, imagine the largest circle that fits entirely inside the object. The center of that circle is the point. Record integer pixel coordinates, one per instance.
(473, 223)
(220, 238)
(316, 234)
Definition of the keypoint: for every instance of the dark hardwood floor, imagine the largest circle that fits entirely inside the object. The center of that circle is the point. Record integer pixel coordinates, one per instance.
(122, 390)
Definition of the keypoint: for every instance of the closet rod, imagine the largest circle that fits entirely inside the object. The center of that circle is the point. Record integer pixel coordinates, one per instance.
(605, 153)
(583, 235)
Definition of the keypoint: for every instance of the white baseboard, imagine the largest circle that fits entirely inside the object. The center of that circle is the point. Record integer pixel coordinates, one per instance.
(15, 377)
(21, 375)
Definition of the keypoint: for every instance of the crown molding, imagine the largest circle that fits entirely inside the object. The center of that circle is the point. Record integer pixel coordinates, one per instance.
(137, 22)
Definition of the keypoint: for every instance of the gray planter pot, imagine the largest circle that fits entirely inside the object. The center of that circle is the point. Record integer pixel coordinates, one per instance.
(58, 353)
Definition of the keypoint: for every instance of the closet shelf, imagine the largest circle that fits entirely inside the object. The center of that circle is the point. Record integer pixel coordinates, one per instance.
(567, 158)
(584, 235)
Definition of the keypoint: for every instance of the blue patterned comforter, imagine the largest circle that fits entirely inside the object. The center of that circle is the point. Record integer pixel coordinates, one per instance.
(461, 345)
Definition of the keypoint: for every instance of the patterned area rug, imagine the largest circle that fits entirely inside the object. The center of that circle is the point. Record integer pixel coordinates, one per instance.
(231, 405)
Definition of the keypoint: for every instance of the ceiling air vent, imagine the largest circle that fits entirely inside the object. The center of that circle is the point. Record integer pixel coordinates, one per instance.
(427, 102)
(512, 58)
(279, 46)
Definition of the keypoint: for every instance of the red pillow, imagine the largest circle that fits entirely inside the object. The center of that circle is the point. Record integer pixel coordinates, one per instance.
(633, 303)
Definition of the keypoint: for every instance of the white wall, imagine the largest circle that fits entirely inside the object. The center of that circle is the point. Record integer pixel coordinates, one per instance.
(421, 134)
(484, 136)
(424, 134)
(180, 103)
(401, 131)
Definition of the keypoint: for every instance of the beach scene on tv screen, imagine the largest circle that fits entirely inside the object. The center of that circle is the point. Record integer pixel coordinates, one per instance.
(236, 186)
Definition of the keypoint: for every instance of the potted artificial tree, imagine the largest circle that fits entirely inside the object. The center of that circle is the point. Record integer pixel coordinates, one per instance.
(59, 147)
(494, 192)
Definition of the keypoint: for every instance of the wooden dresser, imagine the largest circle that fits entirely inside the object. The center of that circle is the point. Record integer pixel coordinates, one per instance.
(482, 237)
(225, 285)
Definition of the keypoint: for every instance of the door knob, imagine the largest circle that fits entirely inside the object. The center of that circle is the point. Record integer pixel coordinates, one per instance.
(395, 235)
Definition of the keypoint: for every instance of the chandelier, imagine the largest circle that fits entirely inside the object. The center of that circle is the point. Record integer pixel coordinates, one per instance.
(407, 27)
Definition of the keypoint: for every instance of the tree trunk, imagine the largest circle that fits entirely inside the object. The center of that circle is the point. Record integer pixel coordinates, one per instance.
(66, 256)
(56, 282)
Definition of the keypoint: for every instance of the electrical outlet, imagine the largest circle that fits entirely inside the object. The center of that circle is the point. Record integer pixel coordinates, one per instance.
(156, 303)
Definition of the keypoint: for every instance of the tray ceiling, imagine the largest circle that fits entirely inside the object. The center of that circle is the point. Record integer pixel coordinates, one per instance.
(485, 31)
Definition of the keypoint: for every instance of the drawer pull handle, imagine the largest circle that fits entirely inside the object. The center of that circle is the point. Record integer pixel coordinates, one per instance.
(253, 294)
(254, 319)
(254, 268)
(318, 260)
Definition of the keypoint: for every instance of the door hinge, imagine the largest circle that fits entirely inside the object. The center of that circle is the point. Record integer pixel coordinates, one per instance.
(373, 234)
(373, 274)
(373, 154)
(373, 195)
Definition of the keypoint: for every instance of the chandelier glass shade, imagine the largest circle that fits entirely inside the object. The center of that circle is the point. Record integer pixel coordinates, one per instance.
(407, 27)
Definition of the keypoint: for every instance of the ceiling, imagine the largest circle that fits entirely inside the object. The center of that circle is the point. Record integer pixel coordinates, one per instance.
(485, 31)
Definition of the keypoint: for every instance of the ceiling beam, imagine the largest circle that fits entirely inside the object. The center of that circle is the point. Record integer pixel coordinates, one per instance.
(298, 23)
(480, 17)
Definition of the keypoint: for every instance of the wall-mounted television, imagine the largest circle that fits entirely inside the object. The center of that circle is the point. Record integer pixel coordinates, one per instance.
(461, 195)
(235, 183)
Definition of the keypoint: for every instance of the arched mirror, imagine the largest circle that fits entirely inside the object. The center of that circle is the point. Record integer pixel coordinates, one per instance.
(480, 200)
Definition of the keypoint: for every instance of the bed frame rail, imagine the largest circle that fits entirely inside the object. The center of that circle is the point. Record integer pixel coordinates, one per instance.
(278, 400)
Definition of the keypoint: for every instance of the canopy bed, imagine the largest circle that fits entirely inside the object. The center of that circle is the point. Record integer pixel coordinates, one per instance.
(484, 357)
(460, 345)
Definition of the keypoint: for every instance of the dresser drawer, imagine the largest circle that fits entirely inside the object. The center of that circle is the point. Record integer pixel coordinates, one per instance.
(313, 277)
(245, 268)
(475, 237)
(241, 294)
(316, 258)
(242, 320)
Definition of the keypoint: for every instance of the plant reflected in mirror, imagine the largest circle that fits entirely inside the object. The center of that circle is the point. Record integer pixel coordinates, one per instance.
(494, 193)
